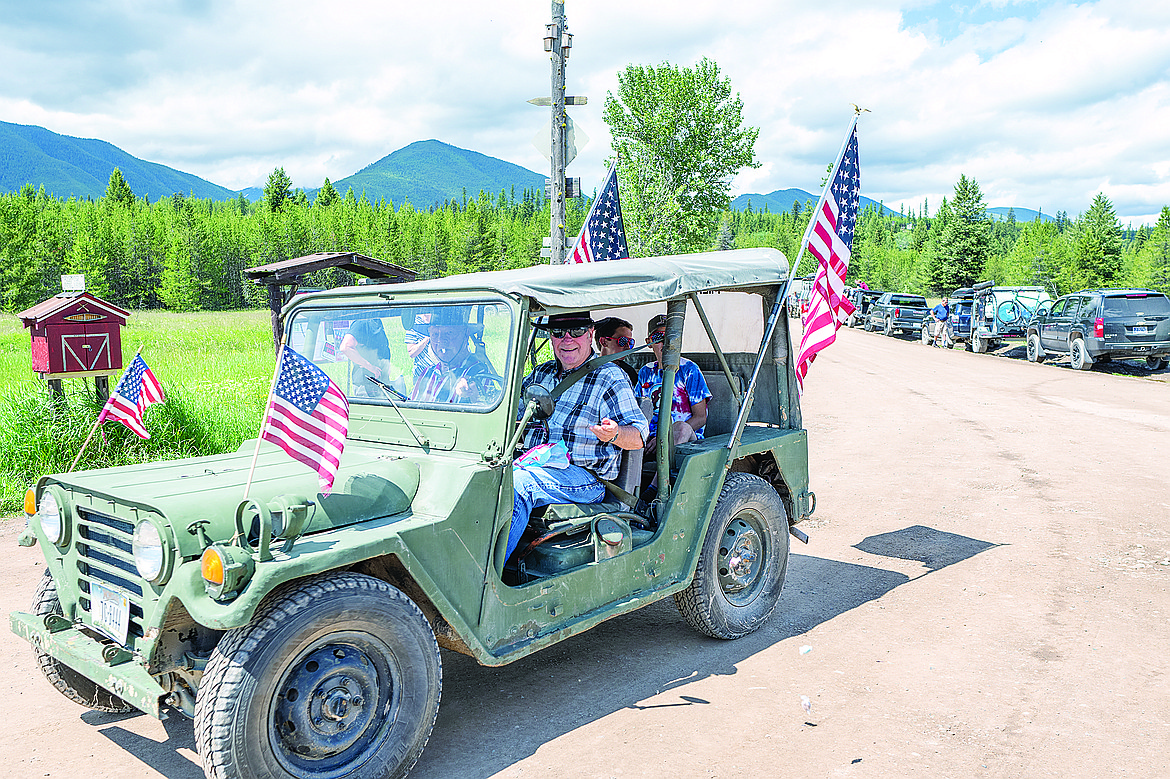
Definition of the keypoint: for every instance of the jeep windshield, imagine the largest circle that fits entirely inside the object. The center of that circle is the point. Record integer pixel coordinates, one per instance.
(439, 356)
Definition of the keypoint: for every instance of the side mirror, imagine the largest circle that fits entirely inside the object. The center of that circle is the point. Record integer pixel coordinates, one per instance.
(543, 399)
(1043, 309)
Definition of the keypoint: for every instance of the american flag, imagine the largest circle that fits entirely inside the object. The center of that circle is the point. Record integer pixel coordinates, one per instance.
(603, 237)
(307, 417)
(830, 240)
(137, 389)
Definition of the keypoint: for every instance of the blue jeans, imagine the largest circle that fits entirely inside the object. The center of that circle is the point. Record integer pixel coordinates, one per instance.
(536, 485)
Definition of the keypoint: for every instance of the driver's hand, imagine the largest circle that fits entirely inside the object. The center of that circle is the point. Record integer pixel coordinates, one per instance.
(466, 390)
(606, 430)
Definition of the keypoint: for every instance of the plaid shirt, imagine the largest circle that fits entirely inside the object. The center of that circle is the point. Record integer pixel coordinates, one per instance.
(603, 392)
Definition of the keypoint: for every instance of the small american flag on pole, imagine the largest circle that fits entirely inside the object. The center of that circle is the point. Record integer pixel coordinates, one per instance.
(137, 389)
(603, 236)
(307, 416)
(830, 239)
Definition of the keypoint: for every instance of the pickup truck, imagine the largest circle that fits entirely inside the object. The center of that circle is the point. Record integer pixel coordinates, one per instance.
(895, 311)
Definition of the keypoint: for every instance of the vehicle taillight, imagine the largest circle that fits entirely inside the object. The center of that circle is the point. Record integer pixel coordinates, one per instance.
(1099, 327)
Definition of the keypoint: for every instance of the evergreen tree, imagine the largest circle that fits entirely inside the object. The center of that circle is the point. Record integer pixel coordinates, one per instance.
(277, 190)
(326, 195)
(118, 191)
(963, 247)
(1097, 252)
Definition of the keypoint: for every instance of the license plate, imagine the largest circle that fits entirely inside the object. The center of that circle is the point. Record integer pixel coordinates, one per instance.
(110, 611)
(1140, 330)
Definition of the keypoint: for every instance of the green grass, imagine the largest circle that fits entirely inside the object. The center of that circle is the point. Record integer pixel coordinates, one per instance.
(215, 369)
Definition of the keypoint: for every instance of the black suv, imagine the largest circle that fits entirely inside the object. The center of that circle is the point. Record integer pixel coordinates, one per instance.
(1100, 325)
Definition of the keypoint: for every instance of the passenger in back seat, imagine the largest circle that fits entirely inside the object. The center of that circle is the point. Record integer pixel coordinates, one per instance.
(596, 417)
(688, 410)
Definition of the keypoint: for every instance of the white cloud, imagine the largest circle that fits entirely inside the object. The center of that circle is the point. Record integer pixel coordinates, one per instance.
(1044, 105)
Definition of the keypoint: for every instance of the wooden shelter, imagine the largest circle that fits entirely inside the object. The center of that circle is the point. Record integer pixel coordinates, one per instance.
(291, 273)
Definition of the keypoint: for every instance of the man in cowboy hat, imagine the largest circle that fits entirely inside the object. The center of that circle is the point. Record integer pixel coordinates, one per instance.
(596, 417)
(459, 375)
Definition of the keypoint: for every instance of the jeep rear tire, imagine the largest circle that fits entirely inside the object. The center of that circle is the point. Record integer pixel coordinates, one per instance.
(742, 563)
(1078, 355)
(1035, 351)
(338, 675)
(68, 682)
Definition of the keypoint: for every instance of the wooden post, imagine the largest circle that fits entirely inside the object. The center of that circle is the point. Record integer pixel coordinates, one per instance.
(275, 301)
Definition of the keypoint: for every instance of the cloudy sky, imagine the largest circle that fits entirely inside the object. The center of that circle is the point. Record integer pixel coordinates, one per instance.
(1043, 103)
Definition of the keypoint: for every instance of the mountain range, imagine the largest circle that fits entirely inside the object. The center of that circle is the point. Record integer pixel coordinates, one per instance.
(425, 173)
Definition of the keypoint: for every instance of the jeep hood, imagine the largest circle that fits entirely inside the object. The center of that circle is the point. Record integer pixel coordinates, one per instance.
(371, 483)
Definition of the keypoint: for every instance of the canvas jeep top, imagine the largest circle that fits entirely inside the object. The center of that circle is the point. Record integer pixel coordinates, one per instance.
(301, 630)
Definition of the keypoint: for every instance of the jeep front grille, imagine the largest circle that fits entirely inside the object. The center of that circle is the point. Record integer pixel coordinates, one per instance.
(105, 555)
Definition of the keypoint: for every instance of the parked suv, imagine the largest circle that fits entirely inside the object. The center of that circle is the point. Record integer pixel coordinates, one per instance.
(895, 311)
(861, 299)
(1095, 326)
(301, 630)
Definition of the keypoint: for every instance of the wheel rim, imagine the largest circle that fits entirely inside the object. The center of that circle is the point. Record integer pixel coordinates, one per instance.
(742, 558)
(334, 705)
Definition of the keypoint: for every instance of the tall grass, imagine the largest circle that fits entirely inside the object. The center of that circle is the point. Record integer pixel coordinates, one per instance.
(215, 369)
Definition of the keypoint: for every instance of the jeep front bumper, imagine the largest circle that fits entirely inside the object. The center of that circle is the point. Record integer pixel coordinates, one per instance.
(106, 664)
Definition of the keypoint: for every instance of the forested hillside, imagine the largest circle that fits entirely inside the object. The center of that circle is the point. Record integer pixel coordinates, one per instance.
(188, 254)
(79, 167)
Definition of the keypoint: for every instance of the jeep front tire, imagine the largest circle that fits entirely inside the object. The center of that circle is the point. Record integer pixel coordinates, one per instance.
(338, 675)
(742, 563)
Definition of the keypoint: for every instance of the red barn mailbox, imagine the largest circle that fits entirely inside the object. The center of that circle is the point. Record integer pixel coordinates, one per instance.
(76, 334)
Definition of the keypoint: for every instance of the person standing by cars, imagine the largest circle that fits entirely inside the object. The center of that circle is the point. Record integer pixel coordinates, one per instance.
(941, 313)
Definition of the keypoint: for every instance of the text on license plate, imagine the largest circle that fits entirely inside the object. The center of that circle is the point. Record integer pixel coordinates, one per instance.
(110, 611)
(1139, 330)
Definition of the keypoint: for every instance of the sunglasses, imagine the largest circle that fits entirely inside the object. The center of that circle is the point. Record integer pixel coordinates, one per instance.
(623, 342)
(572, 332)
(658, 336)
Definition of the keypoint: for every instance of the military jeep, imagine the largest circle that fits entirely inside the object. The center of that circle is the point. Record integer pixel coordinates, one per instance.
(301, 630)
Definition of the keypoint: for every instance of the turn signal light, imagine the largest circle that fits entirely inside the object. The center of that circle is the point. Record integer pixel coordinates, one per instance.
(30, 501)
(226, 570)
(212, 565)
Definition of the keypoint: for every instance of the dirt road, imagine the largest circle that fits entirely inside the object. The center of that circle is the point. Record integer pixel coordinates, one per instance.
(986, 593)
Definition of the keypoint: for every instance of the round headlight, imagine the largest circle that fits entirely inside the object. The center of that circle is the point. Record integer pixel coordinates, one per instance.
(50, 513)
(149, 553)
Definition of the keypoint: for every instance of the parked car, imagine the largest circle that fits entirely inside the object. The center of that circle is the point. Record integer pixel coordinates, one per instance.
(1096, 326)
(1000, 313)
(896, 311)
(861, 299)
(301, 630)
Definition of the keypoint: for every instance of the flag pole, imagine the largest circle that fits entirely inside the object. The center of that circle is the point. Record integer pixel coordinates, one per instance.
(264, 419)
(98, 421)
(781, 299)
(821, 201)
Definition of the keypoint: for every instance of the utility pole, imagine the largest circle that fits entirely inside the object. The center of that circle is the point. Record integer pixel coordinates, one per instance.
(555, 42)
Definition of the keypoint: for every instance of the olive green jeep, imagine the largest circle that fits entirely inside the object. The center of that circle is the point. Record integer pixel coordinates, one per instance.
(301, 631)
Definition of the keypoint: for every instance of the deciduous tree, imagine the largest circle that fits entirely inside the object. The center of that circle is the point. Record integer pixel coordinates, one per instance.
(680, 138)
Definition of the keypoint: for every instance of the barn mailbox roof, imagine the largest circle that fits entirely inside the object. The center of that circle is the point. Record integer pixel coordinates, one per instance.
(289, 271)
(58, 304)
